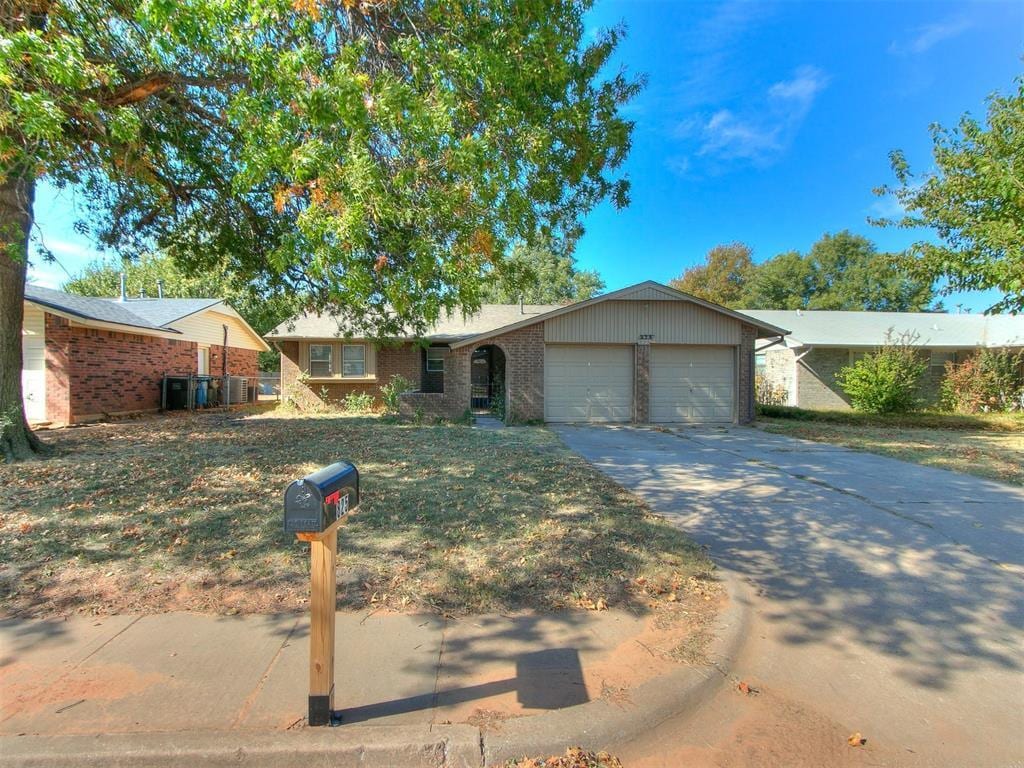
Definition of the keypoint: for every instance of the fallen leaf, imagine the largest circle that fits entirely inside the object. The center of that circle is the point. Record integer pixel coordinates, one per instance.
(856, 740)
(744, 688)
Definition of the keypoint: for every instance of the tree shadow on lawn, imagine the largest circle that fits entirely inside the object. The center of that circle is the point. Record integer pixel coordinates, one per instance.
(453, 519)
(835, 569)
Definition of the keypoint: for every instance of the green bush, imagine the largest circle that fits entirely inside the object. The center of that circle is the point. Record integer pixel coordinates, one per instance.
(358, 402)
(392, 391)
(990, 380)
(884, 381)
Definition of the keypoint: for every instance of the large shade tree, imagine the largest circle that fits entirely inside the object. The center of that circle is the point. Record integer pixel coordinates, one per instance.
(973, 200)
(377, 158)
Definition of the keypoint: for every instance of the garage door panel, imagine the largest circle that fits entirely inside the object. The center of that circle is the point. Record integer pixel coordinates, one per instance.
(588, 383)
(692, 384)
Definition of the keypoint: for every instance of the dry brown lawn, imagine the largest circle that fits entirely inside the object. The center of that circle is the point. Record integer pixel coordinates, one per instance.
(184, 512)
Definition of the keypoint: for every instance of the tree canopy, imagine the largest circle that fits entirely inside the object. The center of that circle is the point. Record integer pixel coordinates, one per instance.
(973, 200)
(376, 158)
(540, 274)
(723, 276)
(841, 271)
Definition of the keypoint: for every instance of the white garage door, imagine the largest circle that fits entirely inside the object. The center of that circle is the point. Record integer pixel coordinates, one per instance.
(692, 384)
(588, 383)
(33, 365)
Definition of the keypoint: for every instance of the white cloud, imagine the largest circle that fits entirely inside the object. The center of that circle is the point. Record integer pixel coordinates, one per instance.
(729, 138)
(807, 82)
(928, 36)
(767, 126)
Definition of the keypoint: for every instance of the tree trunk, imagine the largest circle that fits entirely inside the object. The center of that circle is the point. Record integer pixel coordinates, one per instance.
(17, 194)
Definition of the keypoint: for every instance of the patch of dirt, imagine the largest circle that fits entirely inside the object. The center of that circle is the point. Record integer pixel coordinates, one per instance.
(614, 675)
(742, 730)
(29, 689)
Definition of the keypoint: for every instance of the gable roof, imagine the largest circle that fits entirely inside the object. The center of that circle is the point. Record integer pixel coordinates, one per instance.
(649, 289)
(492, 319)
(869, 329)
(156, 315)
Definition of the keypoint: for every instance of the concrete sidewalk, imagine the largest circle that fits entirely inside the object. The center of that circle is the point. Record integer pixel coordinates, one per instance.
(87, 690)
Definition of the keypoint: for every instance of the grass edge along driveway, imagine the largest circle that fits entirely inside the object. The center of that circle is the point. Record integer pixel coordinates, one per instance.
(985, 445)
(183, 512)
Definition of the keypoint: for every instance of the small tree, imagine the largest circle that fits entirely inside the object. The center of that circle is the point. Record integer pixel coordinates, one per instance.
(991, 380)
(886, 380)
(391, 392)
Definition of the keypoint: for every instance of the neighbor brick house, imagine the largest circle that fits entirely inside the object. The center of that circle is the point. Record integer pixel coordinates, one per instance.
(803, 366)
(87, 358)
(643, 354)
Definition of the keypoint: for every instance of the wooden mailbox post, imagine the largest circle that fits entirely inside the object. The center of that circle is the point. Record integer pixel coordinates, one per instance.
(314, 508)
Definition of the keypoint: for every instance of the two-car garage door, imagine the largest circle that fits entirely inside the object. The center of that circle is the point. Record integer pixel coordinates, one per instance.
(592, 383)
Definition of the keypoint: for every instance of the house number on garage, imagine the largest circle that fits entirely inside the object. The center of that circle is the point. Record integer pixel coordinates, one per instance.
(646, 337)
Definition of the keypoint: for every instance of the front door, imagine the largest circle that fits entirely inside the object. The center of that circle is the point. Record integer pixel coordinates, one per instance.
(480, 380)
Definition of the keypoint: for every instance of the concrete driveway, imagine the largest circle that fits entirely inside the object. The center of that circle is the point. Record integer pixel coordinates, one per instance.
(886, 597)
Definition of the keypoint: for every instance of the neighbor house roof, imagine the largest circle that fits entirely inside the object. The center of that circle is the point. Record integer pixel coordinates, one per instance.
(871, 329)
(493, 319)
(156, 315)
(153, 314)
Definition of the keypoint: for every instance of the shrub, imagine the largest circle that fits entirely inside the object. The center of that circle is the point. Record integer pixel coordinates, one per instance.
(989, 380)
(884, 381)
(358, 402)
(767, 393)
(392, 391)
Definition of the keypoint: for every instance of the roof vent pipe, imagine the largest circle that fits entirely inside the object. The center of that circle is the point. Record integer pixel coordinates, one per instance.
(522, 303)
(159, 289)
(142, 293)
(124, 287)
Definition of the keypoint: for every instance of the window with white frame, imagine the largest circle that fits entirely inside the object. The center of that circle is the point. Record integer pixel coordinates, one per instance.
(435, 360)
(320, 359)
(353, 360)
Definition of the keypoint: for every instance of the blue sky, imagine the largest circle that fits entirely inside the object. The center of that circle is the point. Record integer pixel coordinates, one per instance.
(768, 123)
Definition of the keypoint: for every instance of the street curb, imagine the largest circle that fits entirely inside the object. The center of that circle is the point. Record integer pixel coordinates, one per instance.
(353, 746)
(600, 724)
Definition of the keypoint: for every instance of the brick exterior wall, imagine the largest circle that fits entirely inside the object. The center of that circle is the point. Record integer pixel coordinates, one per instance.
(58, 383)
(745, 406)
(92, 373)
(404, 360)
(642, 383)
(816, 379)
(524, 379)
(241, 362)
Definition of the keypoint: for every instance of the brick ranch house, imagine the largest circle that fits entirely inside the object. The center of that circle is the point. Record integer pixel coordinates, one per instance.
(643, 354)
(87, 358)
(803, 366)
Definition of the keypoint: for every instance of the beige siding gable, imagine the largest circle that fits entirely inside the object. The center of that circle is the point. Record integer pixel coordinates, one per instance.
(626, 321)
(207, 327)
(650, 293)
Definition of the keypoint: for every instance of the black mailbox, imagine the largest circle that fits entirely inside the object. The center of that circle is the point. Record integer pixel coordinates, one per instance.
(313, 503)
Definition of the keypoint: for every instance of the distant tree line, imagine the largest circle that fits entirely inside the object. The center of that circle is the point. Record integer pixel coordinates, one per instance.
(841, 271)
